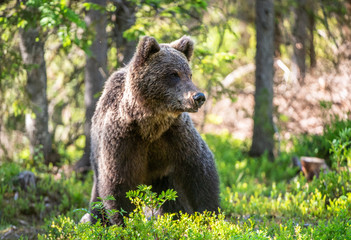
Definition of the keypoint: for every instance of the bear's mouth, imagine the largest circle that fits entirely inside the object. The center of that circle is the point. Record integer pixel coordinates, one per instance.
(190, 109)
(193, 108)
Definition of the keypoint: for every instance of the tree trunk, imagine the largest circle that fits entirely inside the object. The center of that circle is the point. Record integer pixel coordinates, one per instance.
(124, 19)
(32, 52)
(95, 74)
(263, 131)
(300, 36)
(311, 27)
(278, 35)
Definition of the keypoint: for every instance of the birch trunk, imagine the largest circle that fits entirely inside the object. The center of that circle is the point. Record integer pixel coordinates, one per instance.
(32, 52)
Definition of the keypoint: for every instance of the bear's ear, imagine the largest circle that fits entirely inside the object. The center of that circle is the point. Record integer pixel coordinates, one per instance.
(146, 47)
(184, 45)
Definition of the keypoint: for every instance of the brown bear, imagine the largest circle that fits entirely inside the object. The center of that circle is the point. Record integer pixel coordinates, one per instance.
(142, 134)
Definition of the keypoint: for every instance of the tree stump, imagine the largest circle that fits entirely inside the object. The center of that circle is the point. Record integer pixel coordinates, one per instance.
(312, 166)
(26, 179)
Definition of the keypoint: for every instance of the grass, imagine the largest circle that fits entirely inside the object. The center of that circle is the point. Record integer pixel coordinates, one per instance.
(259, 199)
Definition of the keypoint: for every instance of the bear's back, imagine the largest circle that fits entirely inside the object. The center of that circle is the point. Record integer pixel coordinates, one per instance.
(113, 91)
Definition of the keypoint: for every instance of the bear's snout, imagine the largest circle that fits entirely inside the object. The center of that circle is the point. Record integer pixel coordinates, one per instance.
(199, 99)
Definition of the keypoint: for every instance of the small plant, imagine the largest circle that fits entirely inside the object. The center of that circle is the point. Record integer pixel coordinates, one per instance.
(144, 199)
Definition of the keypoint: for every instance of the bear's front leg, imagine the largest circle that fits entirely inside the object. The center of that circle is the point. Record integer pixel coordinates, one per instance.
(118, 191)
(197, 178)
(121, 169)
(195, 173)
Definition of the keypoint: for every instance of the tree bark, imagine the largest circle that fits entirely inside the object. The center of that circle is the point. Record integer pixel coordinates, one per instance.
(278, 35)
(124, 19)
(32, 52)
(95, 74)
(300, 36)
(311, 27)
(263, 132)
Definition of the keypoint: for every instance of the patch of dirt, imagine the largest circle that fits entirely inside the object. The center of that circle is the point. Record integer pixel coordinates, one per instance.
(298, 108)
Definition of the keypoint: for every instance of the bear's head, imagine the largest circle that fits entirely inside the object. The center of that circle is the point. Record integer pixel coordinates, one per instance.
(160, 76)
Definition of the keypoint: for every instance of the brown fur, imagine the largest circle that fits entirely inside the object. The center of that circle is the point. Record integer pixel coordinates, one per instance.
(141, 133)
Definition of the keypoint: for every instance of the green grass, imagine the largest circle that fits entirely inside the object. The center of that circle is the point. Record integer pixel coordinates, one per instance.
(259, 199)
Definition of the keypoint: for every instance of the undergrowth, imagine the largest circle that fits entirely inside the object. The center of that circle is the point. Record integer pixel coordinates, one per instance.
(259, 199)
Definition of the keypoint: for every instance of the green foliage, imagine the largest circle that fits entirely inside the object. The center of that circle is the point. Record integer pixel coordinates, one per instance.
(209, 226)
(236, 168)
(139, 226)
(258, 189)
(341, 149)
(143, 198)
(197, 226)
(60, 24)
(165, 12)
(53, 194)
(337, 183)
(49, 15)
(323, 145)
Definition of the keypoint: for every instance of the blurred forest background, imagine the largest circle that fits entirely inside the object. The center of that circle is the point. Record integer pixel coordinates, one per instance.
(276, 75)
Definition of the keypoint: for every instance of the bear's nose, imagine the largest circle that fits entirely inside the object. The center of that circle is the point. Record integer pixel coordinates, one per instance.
(199, 99)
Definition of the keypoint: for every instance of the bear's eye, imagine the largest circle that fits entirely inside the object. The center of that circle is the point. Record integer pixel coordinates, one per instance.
(174, 78)
(174, 75)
